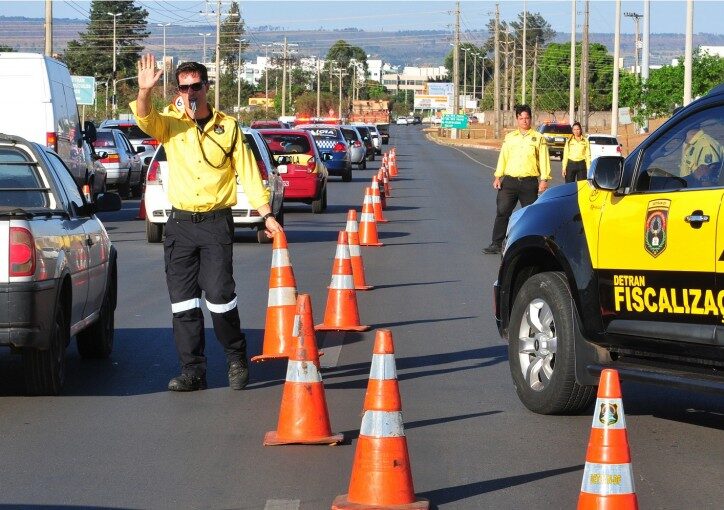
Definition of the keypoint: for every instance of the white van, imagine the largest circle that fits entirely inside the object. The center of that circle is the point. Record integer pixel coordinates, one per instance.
(38, 103)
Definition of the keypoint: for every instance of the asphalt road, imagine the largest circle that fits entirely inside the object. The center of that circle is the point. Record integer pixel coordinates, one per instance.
(118, 439)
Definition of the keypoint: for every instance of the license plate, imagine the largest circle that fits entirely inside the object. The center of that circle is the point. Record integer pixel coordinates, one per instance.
(282, 169)
(560, 139)
(286, 183)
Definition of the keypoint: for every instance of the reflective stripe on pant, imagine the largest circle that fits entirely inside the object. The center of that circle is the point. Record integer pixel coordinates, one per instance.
(198, 257)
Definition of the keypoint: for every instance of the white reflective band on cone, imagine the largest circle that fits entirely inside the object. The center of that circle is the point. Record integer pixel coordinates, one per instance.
(342, 282)
(383, 367)
(382, 424)
(605, 479)
(354, 250)
(351, 226)
(182, 306)
(342, 252)
(608, 414)
(367, 200)
(222, 308)
(280, 258)
(282, 296)
(296, 326)
(367, 218)
(375, 199)
(302, 372)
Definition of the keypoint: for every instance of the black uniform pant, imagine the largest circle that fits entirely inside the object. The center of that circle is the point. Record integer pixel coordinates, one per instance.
(512, 190)
(198, 257)
(576, 171)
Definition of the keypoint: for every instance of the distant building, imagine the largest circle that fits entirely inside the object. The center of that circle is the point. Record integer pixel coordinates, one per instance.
(414, 78)
(714, 51)
(376, 68)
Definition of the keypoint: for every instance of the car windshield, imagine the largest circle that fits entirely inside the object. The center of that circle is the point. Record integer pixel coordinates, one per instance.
(349, 134)
(287, 144)
(104, 139)
(602, 140)
(559, 129)
(20, 184)
(132, 131)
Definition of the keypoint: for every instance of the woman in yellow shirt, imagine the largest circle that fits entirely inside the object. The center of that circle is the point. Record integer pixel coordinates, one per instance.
(576, 156)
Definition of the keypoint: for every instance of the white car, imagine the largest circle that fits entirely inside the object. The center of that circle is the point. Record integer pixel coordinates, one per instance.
(376, 138)
(604, 145)
(158, 207)
(401, 121)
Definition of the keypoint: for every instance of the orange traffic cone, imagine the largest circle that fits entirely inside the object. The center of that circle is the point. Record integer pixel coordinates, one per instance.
(367, 223)
(355, 254)
(303, 415)
(386, 183)
(377, 203)
(384, 160)
(377, 183)
(142, 208)
(607, 478)
(341, 313)
(381, 476)
(393, 163)
(281, 305)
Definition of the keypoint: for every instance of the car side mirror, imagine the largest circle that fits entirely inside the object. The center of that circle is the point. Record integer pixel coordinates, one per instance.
(147, 160)
(606, 172)
(107, 202)
(140, 149)
(89, 132)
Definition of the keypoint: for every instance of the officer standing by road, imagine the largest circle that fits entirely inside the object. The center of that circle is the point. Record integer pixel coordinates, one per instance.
(206, 153)
(522, 162)
(576, 156)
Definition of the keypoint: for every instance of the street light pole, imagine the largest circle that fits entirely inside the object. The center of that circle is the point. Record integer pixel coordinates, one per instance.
(636, 17)
(165, 78)
(266, 77)
(475, 74)
(114, 105)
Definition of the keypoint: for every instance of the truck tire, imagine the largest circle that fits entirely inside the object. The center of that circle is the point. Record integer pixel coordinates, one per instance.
(96, 341)
(154, 232)
(541, 337)
(44, 370)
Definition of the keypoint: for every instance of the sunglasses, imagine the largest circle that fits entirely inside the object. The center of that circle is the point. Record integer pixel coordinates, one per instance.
(193, 86)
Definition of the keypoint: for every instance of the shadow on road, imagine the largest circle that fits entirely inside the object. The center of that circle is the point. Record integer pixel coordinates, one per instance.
(395, 285)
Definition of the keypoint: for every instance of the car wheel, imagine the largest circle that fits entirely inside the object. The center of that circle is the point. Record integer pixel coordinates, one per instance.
(154, 232)
(347, 175)
(318, 205)
(363, 164)
(372, 156)
(541, 337)
(124, 189)
(44, 370)
(96, 341)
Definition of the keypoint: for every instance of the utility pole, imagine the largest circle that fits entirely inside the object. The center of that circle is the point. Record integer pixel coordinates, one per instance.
(217, 84)
(535, 76)
(456, 68)
(48, 28)
(266, 77)
(636, 17)
(645, 56)
(475, 74)
(496, 72)
(506, 74)
(114, 105)
(465, 76)
(688, 50)
(204, 36)
(165, 78)
(572, 79)
(238, 80)
(512, 77)
(341, 72)
(616, 70)
(319, 90)
(583, 108)
(525, 74)
(285, 59)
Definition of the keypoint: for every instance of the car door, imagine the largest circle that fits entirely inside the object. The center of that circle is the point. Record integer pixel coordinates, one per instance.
(134, 164)
(664, 285)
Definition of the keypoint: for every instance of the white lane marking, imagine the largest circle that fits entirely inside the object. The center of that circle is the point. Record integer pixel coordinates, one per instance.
(470, 157)
(332, 343)
(282, 504)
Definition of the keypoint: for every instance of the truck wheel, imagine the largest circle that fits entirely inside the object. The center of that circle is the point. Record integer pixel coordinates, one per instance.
(154, 232)
(96, 341)
(541, 350)
(45, 369)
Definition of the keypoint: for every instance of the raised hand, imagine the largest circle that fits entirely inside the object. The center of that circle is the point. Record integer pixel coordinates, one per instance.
(148, 75)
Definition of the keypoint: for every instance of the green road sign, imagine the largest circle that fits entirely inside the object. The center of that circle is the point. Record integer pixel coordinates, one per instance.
(84, 88)
(457, 121)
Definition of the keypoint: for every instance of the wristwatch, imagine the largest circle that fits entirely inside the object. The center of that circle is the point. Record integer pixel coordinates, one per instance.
(266, 217)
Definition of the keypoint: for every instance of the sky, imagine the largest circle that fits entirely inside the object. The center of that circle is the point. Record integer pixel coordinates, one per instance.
(667, 16)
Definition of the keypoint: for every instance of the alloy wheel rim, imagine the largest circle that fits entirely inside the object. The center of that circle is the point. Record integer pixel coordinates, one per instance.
(537, 345)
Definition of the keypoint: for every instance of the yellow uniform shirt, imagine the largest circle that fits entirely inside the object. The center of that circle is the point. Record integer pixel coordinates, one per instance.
(701, 150)
(195, 184)
(576, 150)
(524, 155)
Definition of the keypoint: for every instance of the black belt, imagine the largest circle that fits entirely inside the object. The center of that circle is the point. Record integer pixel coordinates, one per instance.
(521, 178)
(198, 217)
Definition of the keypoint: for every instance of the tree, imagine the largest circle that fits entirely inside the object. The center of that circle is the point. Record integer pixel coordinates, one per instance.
(466, 75)
(4, 48)
(232, 31)
(340, 56)
(537, 29)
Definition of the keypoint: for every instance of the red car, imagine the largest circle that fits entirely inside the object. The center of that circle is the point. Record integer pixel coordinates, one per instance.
(300, 165)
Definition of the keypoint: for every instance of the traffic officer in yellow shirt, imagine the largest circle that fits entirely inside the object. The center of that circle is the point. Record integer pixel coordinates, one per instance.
(522, 173)
(576, 156)
(699, 152)
(206, 153)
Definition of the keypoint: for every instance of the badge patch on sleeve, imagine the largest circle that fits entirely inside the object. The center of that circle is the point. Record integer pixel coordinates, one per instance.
(655, 234)
(218, 129)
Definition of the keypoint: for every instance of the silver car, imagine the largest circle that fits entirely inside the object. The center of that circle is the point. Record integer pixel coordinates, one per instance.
(356, 146)
(122, 162)
(144, 144)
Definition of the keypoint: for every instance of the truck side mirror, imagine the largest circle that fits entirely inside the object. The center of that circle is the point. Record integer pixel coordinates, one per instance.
(606, 172)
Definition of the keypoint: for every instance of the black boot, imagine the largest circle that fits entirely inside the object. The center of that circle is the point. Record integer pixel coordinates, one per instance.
(492, 249)
(238, 375)
(187, 382)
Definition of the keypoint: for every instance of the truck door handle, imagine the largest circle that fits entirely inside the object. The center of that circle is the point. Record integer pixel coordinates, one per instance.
(697, 217)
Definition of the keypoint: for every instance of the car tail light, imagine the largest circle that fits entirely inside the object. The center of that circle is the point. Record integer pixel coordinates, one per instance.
(150, 141)
(51, 140)
(357, 143)
(262, 169)
(22, 252)
(111, 158)
(153, 176)
(618, 149)
(339, 147)
(311, 165)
